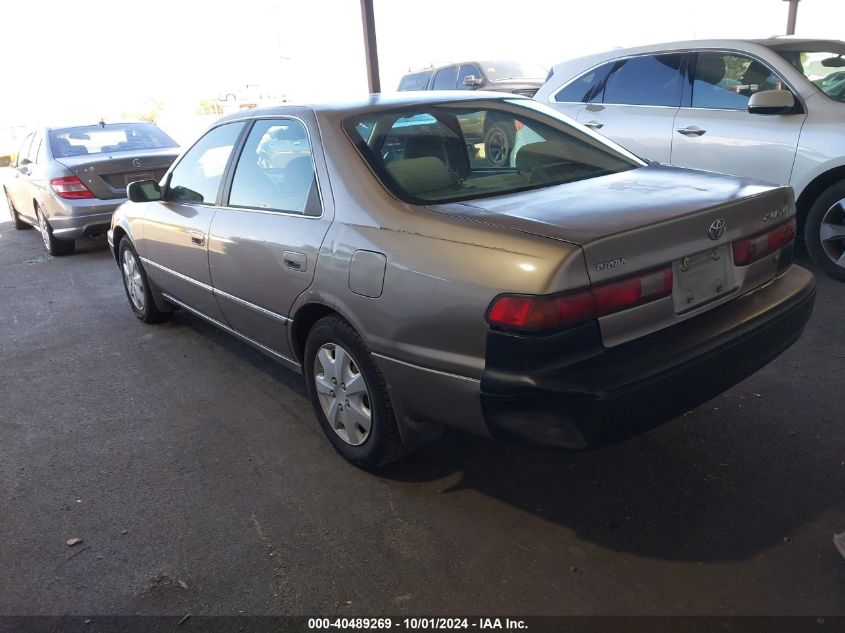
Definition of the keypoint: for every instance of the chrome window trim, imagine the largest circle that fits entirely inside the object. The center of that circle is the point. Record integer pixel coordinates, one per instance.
(256, 308)
(292, 364)
(684, 51)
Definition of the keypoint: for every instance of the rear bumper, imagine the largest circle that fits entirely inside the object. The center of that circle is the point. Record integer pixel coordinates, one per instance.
(601, 395)
(76, 219)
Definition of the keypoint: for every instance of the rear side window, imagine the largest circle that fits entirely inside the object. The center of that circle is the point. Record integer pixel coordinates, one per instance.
(107, 138)
(414, 81)
(275, 170)
(726, 82)
(586, 88)
(652, 80)
(196, 177)
(446, 78)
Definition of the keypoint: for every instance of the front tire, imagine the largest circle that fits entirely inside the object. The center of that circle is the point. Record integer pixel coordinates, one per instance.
(824, 231)
(13, 213)
(349, 395)
(137, 286)
(54, 247)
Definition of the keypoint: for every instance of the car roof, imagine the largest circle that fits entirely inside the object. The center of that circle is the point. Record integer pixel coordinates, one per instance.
(751, 45)
(375, 102)
(91, 124)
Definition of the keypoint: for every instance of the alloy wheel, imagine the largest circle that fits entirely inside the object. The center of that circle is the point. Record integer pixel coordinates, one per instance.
(343, 394)
(832, 233)
(134, 282)
(497, 148)
(44, 228)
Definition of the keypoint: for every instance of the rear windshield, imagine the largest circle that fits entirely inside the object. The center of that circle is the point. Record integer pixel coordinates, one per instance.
(415, 81)
(448, 153)
(111, 137)
(824, 66)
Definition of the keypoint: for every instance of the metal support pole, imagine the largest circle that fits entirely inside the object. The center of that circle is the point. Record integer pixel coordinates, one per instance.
(370, 48)
(793, 15)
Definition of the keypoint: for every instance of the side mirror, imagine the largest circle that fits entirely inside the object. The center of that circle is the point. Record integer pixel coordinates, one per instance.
(5, 160)
(143, 191)
(24, 161)
(771, 102)
(472, 81)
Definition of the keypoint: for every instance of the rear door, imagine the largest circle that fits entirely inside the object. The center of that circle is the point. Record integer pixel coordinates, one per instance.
(639, 101)
(174, 239)
(264, 243)
(717, 133)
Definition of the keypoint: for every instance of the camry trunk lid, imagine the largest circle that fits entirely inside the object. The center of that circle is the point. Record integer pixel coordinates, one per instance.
(107, 174)
(650, 219)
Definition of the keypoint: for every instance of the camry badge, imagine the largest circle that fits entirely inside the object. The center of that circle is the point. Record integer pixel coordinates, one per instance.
(136, 162)
(717, 229)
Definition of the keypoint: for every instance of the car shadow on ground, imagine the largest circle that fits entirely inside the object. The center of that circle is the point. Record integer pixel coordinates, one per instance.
(721, 483)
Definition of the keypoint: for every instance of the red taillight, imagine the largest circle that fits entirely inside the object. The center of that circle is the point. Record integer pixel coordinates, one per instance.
(750, 249)
(70, 187)
(551, 313)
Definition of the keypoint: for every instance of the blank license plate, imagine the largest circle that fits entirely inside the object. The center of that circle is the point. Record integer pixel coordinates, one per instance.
(702, 277)
(143, 175)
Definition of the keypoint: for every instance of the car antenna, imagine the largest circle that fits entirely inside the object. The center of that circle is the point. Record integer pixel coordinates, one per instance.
(102, 123)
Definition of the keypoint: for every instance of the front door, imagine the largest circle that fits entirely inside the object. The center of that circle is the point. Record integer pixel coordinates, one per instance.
(717, 133)
(263, 244)
(638, 105)
(174, 241)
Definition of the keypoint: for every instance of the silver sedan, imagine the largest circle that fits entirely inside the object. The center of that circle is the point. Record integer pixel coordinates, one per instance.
(573, 297)
(68, 181)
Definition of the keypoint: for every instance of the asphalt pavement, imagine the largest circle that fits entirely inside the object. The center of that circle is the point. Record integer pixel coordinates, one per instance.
(196, 476)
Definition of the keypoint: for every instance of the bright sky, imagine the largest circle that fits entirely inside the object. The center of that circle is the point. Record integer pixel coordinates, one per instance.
(65, 61)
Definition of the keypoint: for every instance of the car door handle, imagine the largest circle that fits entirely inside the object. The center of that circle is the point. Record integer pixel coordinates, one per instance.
(198, 238)
(294, 260)
(594, 125)
(691, 131)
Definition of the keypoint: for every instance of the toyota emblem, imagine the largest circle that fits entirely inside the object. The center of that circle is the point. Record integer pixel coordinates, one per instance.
(717, 229)
(136, 162)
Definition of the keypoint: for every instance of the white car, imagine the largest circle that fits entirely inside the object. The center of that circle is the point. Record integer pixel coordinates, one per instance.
(771, 109)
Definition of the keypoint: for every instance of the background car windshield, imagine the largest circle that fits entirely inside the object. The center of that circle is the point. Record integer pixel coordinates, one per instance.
(111, 137)
(826, 69)
(498, 71)
(429, 154)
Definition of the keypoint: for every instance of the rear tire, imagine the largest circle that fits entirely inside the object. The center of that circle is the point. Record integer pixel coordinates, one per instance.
(345, 384)
(19, 224)
(824, 231)
(54, 246)
(137, 286)
(499, 139)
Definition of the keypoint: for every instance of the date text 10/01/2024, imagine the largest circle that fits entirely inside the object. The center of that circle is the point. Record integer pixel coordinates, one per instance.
(418, 623)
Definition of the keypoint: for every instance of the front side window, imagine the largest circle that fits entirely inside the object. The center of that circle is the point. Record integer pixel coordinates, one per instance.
(23, 150)
(726, 81)
(650, 80)
(430, 154)
(276, 170)
(446, 78)
(108, 138)
(196, 177)
(465, 71)
(824, 67)
(586, 88)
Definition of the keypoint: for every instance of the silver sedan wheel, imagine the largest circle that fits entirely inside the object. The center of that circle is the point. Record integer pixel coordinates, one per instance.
(343, 394)
(134, 282)
(45, 230)
(832, 233)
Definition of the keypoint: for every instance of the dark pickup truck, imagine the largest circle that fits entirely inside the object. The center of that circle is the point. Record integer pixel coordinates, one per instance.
(499, 76)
